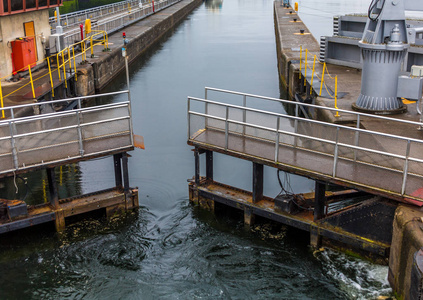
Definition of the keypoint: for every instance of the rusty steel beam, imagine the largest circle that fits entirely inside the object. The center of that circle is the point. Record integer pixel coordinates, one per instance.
(118, 169)
(52, 187)
(209, 166)
(316, 228)
(257, 182)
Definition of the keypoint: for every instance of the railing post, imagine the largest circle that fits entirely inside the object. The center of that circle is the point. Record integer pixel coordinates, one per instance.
(244, 113)
(51, 77)
(301, 58)
(32, 82)
(226, 128)
(357, 137)
(81, 145)
(58, 66)
(335, 157)
(64, 70)
(74, 63)
(312, 75)
(13, 144)
(1, 101)
(404, 178)
(305, 68)
(296, 124)
(278, 125)
(189, 117)
(206, 110)
(323, 79)
(336, 96)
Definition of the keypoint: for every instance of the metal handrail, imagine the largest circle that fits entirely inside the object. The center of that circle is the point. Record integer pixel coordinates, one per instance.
(315, 106)
(121, 21)
(406, 157)
(65, 17)
(309, 120)
(76, 123)
(79, 99)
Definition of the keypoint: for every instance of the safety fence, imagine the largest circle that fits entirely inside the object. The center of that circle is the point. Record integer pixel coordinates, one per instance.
(75, 18)
(376, 160)
(65, 61)
(118, 22)
(306, 67)
(69, 135)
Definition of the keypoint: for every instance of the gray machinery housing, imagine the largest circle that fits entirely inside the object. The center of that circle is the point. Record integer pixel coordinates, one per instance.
(382, 53)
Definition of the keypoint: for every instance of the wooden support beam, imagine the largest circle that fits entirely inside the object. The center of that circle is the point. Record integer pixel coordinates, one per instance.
(209, 166)
(257, 182)
(249, 217)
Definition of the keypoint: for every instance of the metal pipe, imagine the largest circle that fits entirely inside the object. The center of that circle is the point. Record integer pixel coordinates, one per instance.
(189, 117)
(335, 160)
(296, 125)
(244, 113)
(13, 145)
(227, 128)
(404, 178)
(278, 124)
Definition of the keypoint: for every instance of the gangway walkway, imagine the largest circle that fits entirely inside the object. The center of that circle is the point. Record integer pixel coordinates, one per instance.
(62, 137)
(379, 163)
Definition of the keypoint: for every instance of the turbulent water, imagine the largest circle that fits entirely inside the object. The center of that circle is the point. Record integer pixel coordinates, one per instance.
(168, 249)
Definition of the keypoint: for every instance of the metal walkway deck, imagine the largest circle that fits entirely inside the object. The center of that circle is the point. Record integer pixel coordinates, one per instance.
(55, 138)
(375, 162)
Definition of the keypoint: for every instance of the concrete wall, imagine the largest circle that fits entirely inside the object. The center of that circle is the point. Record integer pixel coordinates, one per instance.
(407, 239)
(12, 27)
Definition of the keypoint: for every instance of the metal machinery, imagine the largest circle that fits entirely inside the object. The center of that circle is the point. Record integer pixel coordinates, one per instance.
(384, 47)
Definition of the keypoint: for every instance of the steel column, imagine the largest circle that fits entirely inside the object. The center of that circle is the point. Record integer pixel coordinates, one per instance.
(319, 200)
(52, 187)
(257, 182)
(209, 165)
(118, 169)
(125, 172)
(197, 166)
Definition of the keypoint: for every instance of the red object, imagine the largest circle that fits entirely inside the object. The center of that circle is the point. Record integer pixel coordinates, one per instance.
(124, 35)
(418, 194)
(81, 27)
(24, 54)
(153, 6)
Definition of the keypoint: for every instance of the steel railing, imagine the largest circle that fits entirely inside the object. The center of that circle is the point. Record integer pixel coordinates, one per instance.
(120, 21)
(304, 64)
(78, 17)
(37, 140)
(340, 136)
(65, 62)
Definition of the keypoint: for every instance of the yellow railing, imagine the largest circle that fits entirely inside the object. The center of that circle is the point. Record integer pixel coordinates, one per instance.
(304, 65)
(63, 58)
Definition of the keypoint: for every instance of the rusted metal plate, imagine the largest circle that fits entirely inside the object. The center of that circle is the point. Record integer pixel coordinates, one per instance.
(139, 141)
(304, 220)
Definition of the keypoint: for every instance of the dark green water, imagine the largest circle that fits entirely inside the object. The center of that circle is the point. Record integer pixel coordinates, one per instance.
(169, 249)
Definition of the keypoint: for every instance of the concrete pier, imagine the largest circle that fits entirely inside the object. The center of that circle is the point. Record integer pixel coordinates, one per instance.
(405, 274)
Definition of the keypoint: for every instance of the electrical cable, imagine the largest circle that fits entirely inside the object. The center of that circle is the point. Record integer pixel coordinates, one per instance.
(289, 192)
(371, 8)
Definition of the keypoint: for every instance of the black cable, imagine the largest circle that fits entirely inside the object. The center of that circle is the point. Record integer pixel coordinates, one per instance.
(372, 6)
(289, 193)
